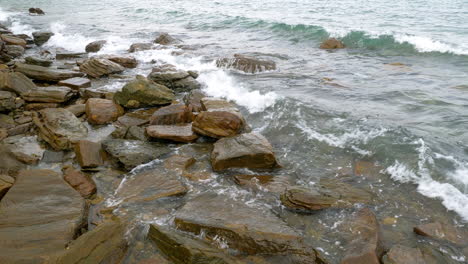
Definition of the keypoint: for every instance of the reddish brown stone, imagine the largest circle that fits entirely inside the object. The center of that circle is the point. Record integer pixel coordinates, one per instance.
(442, 231)
(172, 115)
(218, 124)
(178, 162)
(179, 133)
(332, 43)
(81, 182)
(88, 154)
(102, 111)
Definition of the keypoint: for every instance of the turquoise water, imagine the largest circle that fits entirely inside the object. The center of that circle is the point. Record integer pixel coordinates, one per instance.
(322, 110)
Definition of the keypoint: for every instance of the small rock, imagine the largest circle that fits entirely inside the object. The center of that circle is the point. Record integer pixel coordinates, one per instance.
(38, 11)
(178, 133)
(51, 94)
(332, 43)
(88, 154)
(41, 37)
(76, 83)
(136, 118)
(140, 46)
(246, 64)
(95, 46)
(137, 133)
(6, 121)
(102, 111)
(193, 100)
(25, 149)
(399, 254)
(442, 231)
(165, 39)
(218, 124)
(172, 115)
(81, 182)
(97, 67)
(63, 54)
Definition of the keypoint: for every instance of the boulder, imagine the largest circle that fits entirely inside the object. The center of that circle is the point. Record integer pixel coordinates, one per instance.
(246, 64)
(102, 111)
(125, 61)
(88, 154)
(7, 101)
(241, 227)
(142, 92)
(150, 185)
(218, 124)
(97, 67)
(59, 127)
(45, 74)
(95, 46)
(140, 46)
(193, 100)
(442, 231)
(44, 61)
(29, 229)
(172, 115)
(165, 39)
(50, 94)
(13, 40)
(399, 254)
(178, 133)
(182, 249)
(217, 104)
(132, 153)
(5, 184)
(365, 246)
(81, 182)
(332, 43)
(76, 83)
(250, 150)
(15, 82)
(25, 149)
(14, 51)
(41, 37)
(177, 80)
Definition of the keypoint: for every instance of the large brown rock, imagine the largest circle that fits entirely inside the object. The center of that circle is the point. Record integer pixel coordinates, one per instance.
(250, 150)
(442, 231)
(88, 154)
(241, 227)
(59, 127)
(218, 124)
(15, 82)
(81, 182)
(217, 104)
(7, 101)
(172, 78)
(5, 184)
(165, 39)
(39, 216)
(13, 40)
(246, 64)
(50, 94)
(125, 61)
(95, 46)
(365, 246)
(142, 92)
(332, 43)
(97, 67)
(399, 254)
(44, 73)
(172, 115)
(76, 83)
(178, 133)
(102, 111)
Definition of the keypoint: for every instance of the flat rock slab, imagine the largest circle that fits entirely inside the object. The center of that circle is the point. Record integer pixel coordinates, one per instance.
(76, 83)
(25, 149)
(172, 115)
(246, 64)
(39, 215)
(399, 254)
(218, 124)
(441, 231)
(88, 154)
(15, 82)
(45, 74)
(150, 185)
(97, 67)
(51, 94)
(178, 133)
(240, 226)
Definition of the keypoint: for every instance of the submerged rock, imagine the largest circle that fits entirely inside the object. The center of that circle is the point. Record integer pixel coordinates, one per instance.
(95, 46)
(399, 254)
(132, 153)
(332, 43)
(246, 64)
(36, 10)
(140, 46)
(172, 115)
(102, 111)
(218, 124)
(97, 67)
(25, 149)
(172, 78)
(51, 94)
(165, 39)
(41, 37)
(29, 229)
(142, 92)
(179, 162)
(178, 133)
(442, 231)
(88, 154)
(15, 82)
(45, 74)
(250, 150)
(76, 83)
(59, 127)
(81, 182)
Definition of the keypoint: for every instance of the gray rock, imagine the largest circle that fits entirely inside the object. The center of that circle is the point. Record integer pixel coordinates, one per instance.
(25, 149)
(125, 61)
(140, 46)
(177, 80)
(44, 60)
(15, 82)
(50, 94)
(76, 83)
(165, 39)
(178, 133)
(63, 55)
(41, 37)
(7, 101)
(246, 64)
(95, 46)
(14, 51)
(45, 74)
(97, 67)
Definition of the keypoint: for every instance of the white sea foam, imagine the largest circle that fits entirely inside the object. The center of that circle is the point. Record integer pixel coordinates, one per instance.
(426, 44)
(19, 28)
(4, 15)
(62, 39)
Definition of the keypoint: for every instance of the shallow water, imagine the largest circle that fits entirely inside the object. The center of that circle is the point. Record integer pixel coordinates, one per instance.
(323, 111)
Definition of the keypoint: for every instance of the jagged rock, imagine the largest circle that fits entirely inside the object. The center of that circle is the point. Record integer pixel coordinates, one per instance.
(38, 11)
(45, 74)
(241, 227)
(140, 46)
(132, 153)
(81, 182)
(193, 100)
(125, 61)
(59, 127)
(332, 43)
(104, 244)
(14, 51)
(172, 115)
(7, 101)
(15, 82)
(76, 83)
(246, 64)
(25, 149)
(365, 246)
(218, 124)
(178, 133)
(165, 39)
(150, 185)
(44, 61)
(41, 37)
(137, 133)
(102, 111)
(182, 249)
(250, 150)
(142, 92)
(29, 229)
(177, 80)
(97, 67)
(13, 40)
(95, 46)
(3, 133)
(399, 254)
(50, 94)
(442, 231)
(88, 154)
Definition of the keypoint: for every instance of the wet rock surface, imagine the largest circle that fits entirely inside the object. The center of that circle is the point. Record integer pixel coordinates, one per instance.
(442, 231)
(172, 115)
(246, 64)
(102, 111)
(25, 149)
(51, 94)
(41, 37)
(218, 124)
(400, 254)
(95, 46)
(332, 43)
(165, 39)
(76, 83)
(179, 133)
(15, 82)
(81, 182)
(89, 154)
(177, 80)
(45, 74)
(97, 67)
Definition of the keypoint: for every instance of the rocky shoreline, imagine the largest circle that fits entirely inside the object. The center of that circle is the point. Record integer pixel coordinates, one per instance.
(68, 196)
